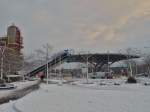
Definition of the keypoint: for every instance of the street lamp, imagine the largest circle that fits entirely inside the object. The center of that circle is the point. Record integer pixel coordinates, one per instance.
(87, 61)
(48, 48)
(60, 74)
(108, 63)
(148, 61)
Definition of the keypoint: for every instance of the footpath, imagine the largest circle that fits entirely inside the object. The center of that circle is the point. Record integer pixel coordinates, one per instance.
(22, 89)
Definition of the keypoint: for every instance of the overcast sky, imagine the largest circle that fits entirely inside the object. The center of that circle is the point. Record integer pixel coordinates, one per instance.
(94, 25)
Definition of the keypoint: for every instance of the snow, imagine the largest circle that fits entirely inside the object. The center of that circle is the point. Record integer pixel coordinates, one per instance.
(84, 98)
(20, 85)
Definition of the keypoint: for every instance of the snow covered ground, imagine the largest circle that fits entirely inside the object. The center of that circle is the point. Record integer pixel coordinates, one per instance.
(82, 97)
(19, 85)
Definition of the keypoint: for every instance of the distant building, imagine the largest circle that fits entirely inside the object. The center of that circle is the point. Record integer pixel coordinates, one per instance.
(13, 39)
(12, 59)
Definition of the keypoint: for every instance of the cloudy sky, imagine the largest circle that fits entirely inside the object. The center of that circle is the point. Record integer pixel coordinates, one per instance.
(94, 25)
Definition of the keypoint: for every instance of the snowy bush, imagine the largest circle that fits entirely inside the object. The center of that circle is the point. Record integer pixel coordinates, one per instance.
(131, 80)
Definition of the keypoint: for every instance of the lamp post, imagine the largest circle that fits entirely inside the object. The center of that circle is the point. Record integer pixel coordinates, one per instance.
(55, 69)
(87, 61)
(47, 63)
(48, 48)
(108, 63)
(148, 61)
(87, 72)
(60, 74)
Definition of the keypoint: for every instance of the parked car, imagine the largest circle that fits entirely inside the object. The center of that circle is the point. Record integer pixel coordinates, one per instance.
(7, 86)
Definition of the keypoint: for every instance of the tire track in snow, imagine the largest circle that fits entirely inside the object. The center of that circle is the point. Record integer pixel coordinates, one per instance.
(15, 108)
(12, 107)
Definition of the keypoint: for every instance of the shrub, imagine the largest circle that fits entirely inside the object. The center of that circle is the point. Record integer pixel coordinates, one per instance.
(131, 80)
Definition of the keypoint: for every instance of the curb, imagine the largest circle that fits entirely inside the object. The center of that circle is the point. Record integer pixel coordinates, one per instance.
(16, 94)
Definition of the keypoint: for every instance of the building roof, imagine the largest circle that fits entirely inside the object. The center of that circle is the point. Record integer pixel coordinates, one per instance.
(111, 57)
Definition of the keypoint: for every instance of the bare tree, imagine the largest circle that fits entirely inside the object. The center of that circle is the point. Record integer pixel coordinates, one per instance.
(147, 62)
(11, 61)
(28, 63)
(38, 58)
(131, 63)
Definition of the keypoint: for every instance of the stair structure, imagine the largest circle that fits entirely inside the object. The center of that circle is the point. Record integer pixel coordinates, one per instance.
(55, 60)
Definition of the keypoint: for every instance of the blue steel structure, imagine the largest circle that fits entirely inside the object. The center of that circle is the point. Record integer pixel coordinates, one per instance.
(55, 60)
(98, 60)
